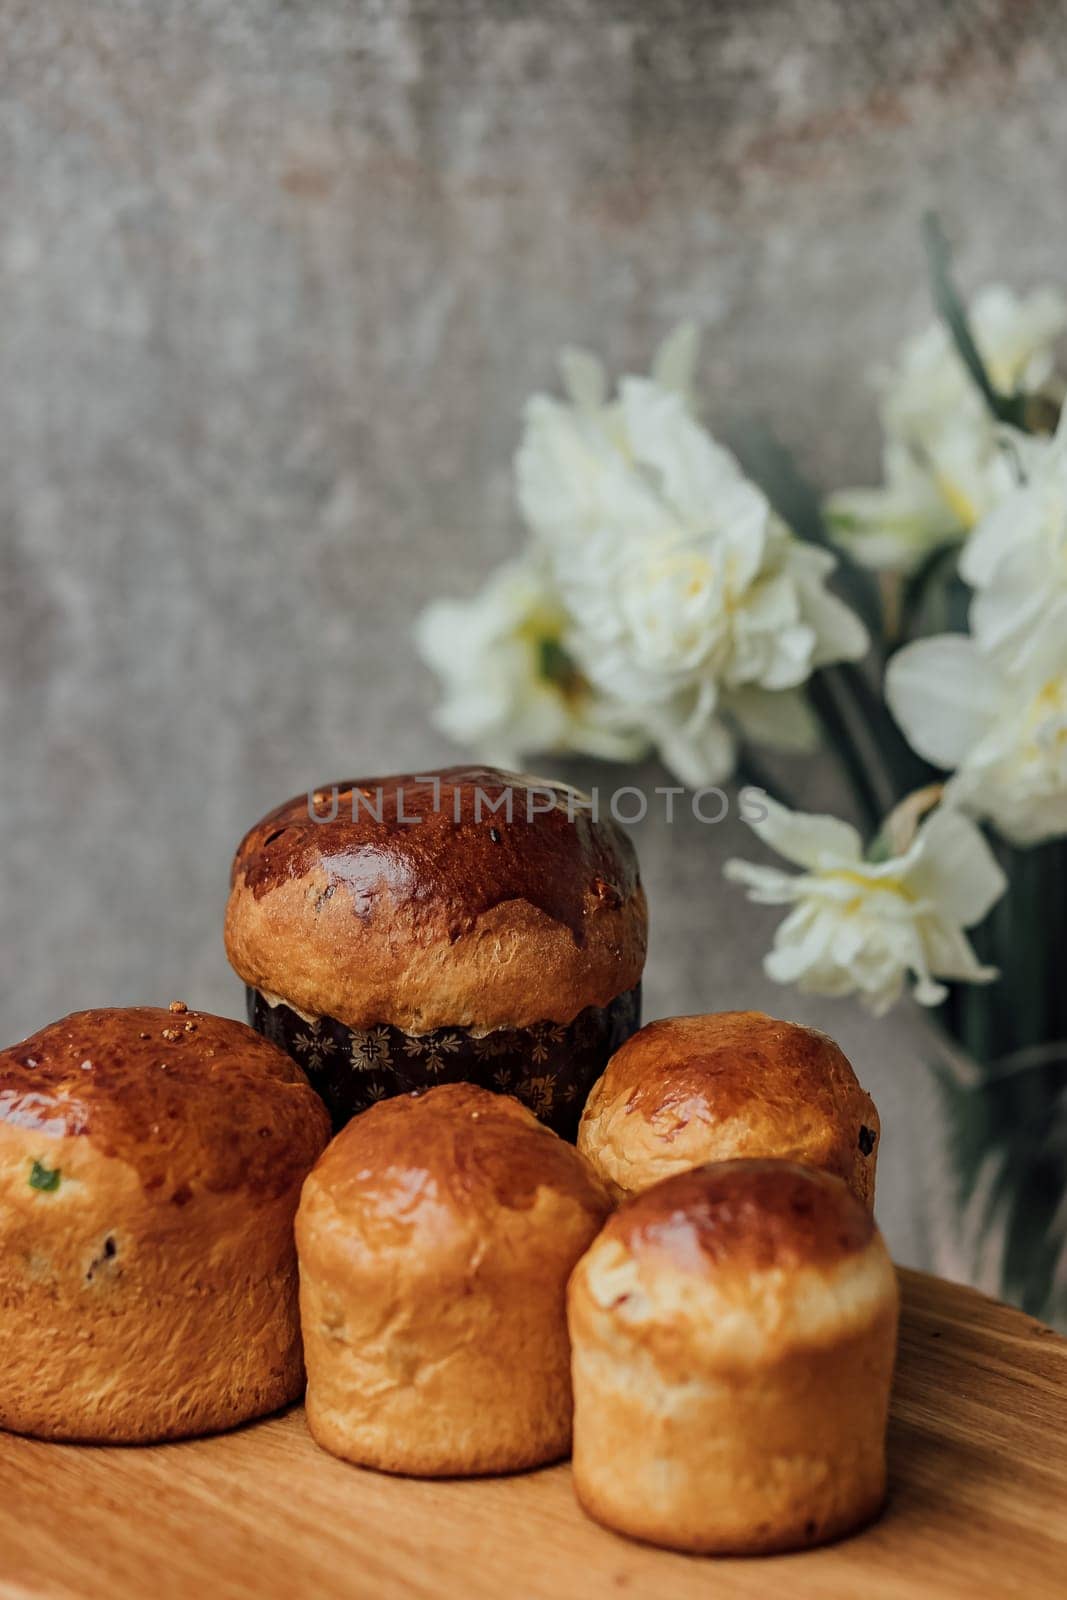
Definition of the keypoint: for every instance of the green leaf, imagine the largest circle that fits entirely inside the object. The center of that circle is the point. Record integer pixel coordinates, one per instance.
(1010, 408)
(928, 602)
(1013, 1122)
(44, 1178)
(556, 666)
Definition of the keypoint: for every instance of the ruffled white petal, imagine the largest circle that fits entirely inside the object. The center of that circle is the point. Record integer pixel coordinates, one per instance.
(810, 840)
(861, 927)
(584, 378)
(700, 754)
(945, 467)
(674, 363)
(498, 699)
(944, 695)
(681, 587)
(995, 537)
(955, 868)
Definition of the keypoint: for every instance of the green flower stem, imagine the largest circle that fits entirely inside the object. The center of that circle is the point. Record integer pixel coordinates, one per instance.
(839, 734)
(899, 770)
(925, 605)
(1013, 1019)
(1054, 887)
(1011, 408)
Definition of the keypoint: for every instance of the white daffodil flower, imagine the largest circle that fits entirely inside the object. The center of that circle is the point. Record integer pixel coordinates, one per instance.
(510, 689)
(1016, 560)
(1016, 337)
(894, 528)
(864, 927)
(945, 466)
(585, 379)
(1002, 734)
(689, 600)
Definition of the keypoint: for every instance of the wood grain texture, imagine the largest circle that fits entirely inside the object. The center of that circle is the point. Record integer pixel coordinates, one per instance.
(978, 1504)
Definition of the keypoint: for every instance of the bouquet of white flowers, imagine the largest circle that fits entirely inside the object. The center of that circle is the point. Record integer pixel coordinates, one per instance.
(670, 600)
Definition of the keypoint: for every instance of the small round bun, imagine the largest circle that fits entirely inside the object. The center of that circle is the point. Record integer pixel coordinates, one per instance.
(436, 1236)
(687, 1090)
(150, 1166)
(468, 898)
(734, 1331)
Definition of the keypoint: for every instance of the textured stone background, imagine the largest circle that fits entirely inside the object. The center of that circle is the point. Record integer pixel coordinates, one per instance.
(275, 280)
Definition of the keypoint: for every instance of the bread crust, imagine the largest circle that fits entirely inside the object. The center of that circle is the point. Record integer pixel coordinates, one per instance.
(435, 1237)
(734, 1333)
(686, 1090)
(464, 918)
(150, 1166)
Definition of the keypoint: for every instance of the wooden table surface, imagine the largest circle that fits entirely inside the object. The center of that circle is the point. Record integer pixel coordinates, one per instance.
(978, 1505)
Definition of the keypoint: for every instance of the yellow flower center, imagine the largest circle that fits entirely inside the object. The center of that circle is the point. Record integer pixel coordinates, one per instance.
(959, 503)
(869, 886)
(1050, 698)
(692, 570)
(1046, 722)
(1005, 372)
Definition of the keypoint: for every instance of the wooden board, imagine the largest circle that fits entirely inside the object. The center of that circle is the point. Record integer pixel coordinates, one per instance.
(978, 1504)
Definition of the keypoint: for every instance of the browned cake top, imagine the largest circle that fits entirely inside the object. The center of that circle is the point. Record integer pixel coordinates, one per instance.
(179, 1095)
(752, 1215)
(458, 1149)
(728, 1060)
(452, 865)
(541, 913)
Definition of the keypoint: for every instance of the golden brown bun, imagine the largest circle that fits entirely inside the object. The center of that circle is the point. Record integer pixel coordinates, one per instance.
(737, 1083)
(477, 923)
(150, 1167)
(436, 1236)
(734, 1331)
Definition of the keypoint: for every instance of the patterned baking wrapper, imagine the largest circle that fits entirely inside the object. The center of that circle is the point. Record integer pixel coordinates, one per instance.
(549, 1066)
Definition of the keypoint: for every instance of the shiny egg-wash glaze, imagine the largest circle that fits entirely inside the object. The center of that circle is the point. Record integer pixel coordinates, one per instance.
(436, 1236)
(443, 915)
(150, 1166)
(734, 1332)
(685, 1090)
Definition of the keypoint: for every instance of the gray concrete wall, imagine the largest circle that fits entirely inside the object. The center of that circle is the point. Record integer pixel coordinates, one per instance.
(275, 280)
